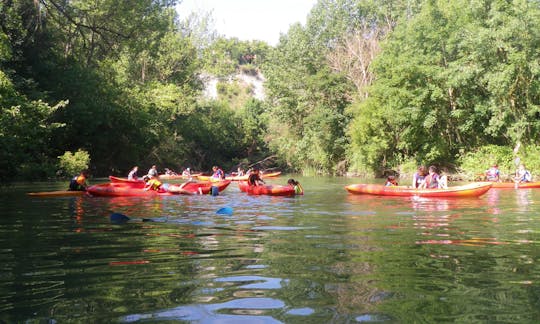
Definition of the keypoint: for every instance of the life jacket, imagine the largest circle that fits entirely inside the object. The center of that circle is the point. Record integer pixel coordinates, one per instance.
(432, 181)
(525, 176)
(492, 173)
(418, 179)
(154, 184)
(218, 174)
(77, 183)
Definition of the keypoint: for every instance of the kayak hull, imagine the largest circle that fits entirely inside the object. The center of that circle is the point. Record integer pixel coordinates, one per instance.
(470, 190)
(270, 190)
(512, 185)
(59, 193)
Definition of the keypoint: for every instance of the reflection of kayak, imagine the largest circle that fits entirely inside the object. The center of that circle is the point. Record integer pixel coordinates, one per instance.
(59, 193)
(271, 190)
(470, 190)
(523, 185)
(116, 189)
(242, 178)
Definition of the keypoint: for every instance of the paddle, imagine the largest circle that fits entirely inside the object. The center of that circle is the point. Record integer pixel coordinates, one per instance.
(225, 211)
(119, 218)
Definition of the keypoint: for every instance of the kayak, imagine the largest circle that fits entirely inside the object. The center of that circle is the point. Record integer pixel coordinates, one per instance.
(523, 185)
(59, 193)
(241, 178)
(140, 180)
(176, 176)
(118, 189)
(271, 190)
(139, 183)
(469, 190)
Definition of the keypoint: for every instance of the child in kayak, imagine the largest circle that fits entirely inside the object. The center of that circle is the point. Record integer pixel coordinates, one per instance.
(152, 183)
(78, 183)
(254, 178)
(133, 173)
(434, 180)
(493, 173)
(296, 185)
(391, 181)
(419, 177)
(522, 175)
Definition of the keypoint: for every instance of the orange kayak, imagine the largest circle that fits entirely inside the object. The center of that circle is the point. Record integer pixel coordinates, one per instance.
(523, 185)
(271, 190)
(116, 189)
(59, 193)
(470, 190)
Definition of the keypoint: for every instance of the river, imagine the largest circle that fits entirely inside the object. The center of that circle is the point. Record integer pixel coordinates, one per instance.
(325, 257)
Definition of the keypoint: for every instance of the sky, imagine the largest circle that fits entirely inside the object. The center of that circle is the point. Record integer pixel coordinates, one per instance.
(251, 19)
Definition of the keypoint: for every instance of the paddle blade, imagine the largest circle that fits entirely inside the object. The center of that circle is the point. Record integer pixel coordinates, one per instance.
(225, 211)
(118, 218)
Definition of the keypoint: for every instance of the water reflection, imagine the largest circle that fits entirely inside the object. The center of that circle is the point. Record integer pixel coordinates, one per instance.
(325, 257)
(245, 310)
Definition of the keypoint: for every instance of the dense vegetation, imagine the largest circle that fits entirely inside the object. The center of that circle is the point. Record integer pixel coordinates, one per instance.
(364, 86)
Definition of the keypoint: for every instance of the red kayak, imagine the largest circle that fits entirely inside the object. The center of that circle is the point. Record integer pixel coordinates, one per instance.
(271, 190)
(139, 183)
(523, 185)
(470, 190)
(161, 177)
(116, 189)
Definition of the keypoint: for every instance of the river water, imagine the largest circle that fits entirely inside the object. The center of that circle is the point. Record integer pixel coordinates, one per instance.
(325, 257)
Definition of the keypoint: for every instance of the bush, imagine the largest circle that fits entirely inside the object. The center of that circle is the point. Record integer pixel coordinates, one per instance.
(474, 164)
(72, 164)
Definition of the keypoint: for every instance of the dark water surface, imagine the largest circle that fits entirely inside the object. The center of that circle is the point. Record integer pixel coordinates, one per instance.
(325, 257)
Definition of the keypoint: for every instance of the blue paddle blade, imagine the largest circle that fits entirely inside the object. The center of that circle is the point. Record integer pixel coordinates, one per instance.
(118, 218)
(225, 211)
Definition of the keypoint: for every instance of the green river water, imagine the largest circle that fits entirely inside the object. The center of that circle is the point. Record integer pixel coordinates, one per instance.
(325, 257)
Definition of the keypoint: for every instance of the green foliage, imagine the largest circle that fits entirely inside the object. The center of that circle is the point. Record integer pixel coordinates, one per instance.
(25, 132)
(441, 89)
(224, 56)
(73, 163)
(474, 164)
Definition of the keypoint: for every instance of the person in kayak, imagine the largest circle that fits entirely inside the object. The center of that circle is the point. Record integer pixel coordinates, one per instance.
(218, 173)
(419, 177)
(132, 175)
(296, 185)
(434, 180)
(522, 175)
(78, 182)
(153, 171)
(152, 183)
(186, 172)
(493, 173)
(254, 178)
(391, 181)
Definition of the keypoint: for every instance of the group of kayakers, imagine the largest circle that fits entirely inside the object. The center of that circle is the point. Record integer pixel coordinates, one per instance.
(152, 182)
(423, 178)
(521, 175)
(431, 177)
